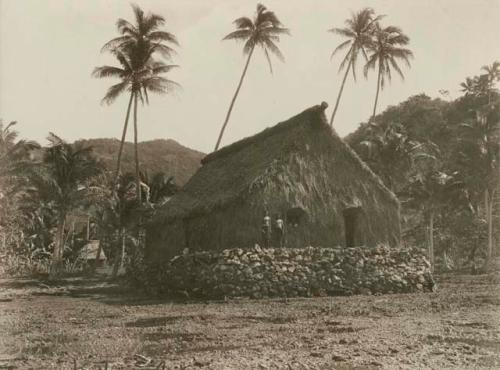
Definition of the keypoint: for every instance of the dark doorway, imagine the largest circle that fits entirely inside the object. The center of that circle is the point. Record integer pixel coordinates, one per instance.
(351, 221)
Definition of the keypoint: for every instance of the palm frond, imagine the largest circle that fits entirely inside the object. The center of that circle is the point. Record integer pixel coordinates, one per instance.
(354, 60)
(274, 49)
(274, 31)
(160, 85)
(238, 35)
(265, 15)
(123, 23)
(163, 36)
(164, 50)
(268, 60)
(243, 23)
(107, 71)
(114, 92)
(159, 67)
(394, 65)
(343, 32)
(341, 47)
(152, 22)
(371, 64)
(249, 45)
(116, 43)
(138, 14)
(347, 59)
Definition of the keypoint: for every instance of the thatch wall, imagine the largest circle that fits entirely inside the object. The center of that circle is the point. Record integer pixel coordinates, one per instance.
(297, 163)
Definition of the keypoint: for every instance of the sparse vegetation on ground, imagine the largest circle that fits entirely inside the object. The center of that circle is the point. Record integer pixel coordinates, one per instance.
(455, 327)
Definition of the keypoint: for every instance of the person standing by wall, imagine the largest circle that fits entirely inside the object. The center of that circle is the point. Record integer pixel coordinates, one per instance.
(266, 231)
(279, 232)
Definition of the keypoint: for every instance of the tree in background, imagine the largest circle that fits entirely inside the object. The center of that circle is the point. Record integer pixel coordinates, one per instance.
(264, 30)
(479, 155)
(390, 152)
(359, 31)
(120, 217)
(14, 154)
(462, 136)
(159, 188)
(387, 49)
(139, 72)
(469, 86)
(492, 77)
(430, 190)
(62, 180)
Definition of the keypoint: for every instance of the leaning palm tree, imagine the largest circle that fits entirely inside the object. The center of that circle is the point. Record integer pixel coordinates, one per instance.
(358, 31)
(264, 30)
(134, 49)
(387, 48)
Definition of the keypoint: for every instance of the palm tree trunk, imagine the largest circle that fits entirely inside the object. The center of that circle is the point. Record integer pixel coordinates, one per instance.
(431, 240)
(490, 225)
(488, 208)
(137, 172)
(57, 253)
(233, 100)
(122, 142)
(378, 91)
(340, 92)
(119, 256)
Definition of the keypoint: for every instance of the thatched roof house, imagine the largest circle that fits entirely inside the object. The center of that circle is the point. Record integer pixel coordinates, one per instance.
(300, 170)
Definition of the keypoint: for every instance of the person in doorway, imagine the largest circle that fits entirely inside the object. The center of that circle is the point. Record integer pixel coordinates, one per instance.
(279, 232)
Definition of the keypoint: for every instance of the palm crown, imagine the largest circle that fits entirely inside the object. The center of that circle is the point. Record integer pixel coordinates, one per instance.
(140, 80)
(143, 38)
(387, 49)
(493, 72)
(134, 49)
(358, 31)
(139, 72)
(264, 30)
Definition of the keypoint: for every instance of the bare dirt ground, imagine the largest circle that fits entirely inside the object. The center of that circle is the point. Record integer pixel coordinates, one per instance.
(83, 323)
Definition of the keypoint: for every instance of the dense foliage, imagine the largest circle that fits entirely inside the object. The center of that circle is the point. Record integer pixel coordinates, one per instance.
(442, 159)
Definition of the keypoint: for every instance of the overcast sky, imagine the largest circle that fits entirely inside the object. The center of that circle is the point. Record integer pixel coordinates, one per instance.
(48, 49)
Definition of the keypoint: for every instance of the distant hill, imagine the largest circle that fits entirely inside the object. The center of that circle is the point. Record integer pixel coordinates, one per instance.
(156, 155)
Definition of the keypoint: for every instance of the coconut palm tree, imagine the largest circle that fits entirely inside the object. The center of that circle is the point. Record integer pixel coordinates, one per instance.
(264, 30)
(14, 157)
(492, 76)
(358, 31)
(12, 150)
(387, 48)
(134, 49)
(469, 86)
(480, 154)
(138, 81)
(160, 188)
(429, 191)
(493, 71)
(62, 180)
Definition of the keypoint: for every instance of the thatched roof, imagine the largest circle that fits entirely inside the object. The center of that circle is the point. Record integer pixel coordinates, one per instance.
(232, 171)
